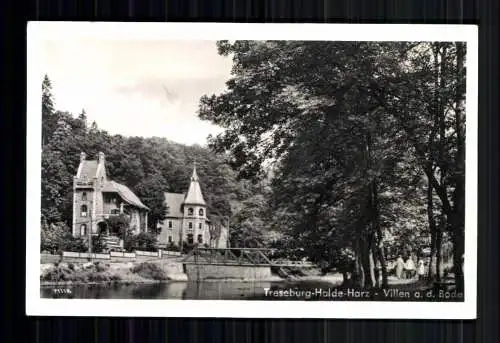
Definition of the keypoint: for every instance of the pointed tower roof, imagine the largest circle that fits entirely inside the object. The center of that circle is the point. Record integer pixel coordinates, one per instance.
(194, 195)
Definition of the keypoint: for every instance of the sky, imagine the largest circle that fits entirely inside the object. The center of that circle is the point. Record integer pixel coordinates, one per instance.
(137, 88)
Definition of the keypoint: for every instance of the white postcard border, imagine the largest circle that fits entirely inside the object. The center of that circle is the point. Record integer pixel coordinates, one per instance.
(40, 31)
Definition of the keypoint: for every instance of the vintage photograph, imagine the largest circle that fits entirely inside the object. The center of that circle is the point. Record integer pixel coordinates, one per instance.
(255, 170)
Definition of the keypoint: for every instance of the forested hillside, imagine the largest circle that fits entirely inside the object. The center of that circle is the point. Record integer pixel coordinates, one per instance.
(148, 166)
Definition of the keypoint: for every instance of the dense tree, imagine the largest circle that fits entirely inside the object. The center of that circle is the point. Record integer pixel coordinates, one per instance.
(151, 190)
(345, 126)
(435, 128)
(248, 222)
(52, 235)
(54, 185)
(144, 241)
(288, 118)
(49, 119)
(118, 225)
(57, 237)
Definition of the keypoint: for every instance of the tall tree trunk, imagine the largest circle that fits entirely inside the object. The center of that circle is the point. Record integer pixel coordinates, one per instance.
(458, 251)
(364, 272)
(439, 248)
(379, 234)
(368, 268)
(375, 237)
(366, 260)
(443, 170)
(345, 278)
(459, 192)
(358, 277)
(372, 264)
(431, 273)
(443, 225)
(432, 228)
(432, 137)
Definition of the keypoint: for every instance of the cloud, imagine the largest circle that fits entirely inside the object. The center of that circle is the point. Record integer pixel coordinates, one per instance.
(170, 91)
(142, 88)
(150, 89)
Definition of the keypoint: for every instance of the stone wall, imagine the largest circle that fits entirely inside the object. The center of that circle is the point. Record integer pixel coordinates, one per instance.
(222, 271)
(114, 254)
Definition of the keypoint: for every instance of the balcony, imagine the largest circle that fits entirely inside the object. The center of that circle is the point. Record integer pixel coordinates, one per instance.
(83, 184)
(112, 212)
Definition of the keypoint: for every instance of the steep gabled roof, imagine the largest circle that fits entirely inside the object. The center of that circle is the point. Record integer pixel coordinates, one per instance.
(194, 195)
(88, 169)
(174, 202)
(125, 193)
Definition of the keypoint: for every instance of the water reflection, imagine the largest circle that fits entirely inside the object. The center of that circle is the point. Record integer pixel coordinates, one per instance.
(220, 290)
(224, 290)
(174, 290)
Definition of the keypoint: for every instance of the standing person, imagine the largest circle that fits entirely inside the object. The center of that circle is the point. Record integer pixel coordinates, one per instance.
(410, 268)
(378, 273)
(400, 264)
(420, 269)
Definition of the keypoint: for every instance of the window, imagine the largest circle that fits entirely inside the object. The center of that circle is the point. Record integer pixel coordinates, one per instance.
(200, 212)
(200, 239)
(169, 224)
(170, 239)
(190, 211)
(84, 196)
(83, 230)
(83, 210)
(199, 226)
(190, 225)
(190, 238)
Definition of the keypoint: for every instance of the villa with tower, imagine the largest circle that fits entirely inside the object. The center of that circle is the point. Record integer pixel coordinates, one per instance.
(96, 198)
(187, 219)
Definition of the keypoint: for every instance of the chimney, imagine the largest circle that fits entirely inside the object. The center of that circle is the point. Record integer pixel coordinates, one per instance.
(101, 158)
(83, 156)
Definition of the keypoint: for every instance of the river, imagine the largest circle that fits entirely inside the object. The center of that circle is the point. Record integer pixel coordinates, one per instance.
(172, 290)
(257, 290)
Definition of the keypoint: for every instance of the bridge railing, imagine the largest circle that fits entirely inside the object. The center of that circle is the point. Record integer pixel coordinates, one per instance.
(239, 256)
(292, 263)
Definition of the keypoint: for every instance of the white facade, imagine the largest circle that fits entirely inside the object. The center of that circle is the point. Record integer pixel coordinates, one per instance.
(187, 219)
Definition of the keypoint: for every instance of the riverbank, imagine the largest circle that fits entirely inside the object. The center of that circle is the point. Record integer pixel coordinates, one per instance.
(68, 273)
(148, 272)
(96, 273)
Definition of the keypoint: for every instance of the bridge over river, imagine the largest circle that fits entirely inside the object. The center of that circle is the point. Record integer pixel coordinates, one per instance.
(237, 263)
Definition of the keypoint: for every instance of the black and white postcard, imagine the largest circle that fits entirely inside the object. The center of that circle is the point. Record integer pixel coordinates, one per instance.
(251, 170)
